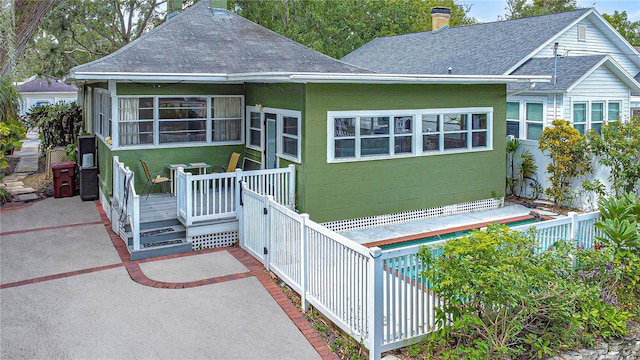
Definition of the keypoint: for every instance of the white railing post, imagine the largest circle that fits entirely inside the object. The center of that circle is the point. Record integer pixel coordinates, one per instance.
(291, 198)
(375, 305)
(135, 219)
(238, 186)
(573, 229)
(304, 263)
(267, 232)
(115, 177)
(188, 197)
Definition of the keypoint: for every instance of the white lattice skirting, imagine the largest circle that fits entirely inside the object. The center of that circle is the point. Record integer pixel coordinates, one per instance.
(407, 216)
(228, 238)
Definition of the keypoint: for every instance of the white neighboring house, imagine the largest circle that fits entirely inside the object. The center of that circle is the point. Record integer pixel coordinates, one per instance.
(596, 72)
(38, 92)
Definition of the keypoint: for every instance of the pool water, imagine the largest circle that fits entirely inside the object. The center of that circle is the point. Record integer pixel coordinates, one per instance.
(456, 234)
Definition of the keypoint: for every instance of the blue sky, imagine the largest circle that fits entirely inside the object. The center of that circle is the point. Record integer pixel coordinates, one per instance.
(489, 10)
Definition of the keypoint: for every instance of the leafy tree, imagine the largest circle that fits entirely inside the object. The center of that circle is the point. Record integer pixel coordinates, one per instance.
(79, 31)
(566, 148)
(18, 20)
(629, 30)
(337, 27)
(517, 9)
(618, 148)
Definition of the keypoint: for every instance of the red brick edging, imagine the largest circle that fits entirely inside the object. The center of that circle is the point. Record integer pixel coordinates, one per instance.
(255, 269)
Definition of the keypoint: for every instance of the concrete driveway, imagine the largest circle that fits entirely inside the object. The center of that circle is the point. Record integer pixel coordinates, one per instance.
(68, 291)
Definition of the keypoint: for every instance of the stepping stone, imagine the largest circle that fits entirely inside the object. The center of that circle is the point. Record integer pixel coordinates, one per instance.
(27, 197)
(14, 184)
(19, 191)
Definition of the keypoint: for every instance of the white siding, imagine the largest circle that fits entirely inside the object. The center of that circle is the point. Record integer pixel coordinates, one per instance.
(596, 44)
(602, 83)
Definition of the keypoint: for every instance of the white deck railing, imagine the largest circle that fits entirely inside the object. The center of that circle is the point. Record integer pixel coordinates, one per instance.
(216, 196)
(124, 194)
(378, 297)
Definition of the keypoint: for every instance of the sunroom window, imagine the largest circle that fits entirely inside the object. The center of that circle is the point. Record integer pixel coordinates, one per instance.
(166, 120)
(362, 135)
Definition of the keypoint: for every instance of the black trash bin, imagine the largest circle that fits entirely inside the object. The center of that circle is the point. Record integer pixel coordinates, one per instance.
(64, 179)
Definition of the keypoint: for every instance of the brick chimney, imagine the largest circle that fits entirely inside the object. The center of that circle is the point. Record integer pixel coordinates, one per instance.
(440, 18)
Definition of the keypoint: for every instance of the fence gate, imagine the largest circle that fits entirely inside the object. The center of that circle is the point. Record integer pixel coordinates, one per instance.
(254, 228)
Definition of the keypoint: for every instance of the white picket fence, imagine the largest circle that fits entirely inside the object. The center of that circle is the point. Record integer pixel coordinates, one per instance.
(215, 196)
(124, 194)
(577, 227)
(378, 297)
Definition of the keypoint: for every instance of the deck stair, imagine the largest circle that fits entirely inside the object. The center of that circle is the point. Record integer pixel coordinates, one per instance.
(157, 238)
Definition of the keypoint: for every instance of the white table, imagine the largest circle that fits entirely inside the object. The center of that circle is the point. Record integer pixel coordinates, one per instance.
(201, 166)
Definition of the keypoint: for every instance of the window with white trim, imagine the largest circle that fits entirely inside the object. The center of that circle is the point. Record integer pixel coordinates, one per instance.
(166, 120)
(513, 118)
(613, 110)
(362, 135)
(589, 115)
(102, 112)
(580, 117)
(254, 129)
(534, 120)
(290, 137)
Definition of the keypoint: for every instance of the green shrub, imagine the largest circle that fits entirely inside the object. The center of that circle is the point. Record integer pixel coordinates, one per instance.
(59, 124)
(503, 300)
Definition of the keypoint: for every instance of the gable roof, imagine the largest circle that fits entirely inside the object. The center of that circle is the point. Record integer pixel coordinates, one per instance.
(204, 40)
(38, 85)
(571, 70)
(488, 48)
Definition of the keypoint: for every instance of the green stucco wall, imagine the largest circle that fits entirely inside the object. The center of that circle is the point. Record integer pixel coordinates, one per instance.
(356, 189)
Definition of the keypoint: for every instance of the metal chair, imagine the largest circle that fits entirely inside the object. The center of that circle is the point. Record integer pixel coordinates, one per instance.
(233, 164)
(151, 181)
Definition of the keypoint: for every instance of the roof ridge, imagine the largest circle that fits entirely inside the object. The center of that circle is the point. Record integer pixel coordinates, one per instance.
(466, 26)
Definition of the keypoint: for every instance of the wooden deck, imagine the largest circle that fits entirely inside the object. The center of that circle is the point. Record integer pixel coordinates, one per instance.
(161, 207)
(158, 207)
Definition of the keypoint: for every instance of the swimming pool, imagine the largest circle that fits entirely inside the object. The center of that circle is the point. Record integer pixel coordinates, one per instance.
(452, 233)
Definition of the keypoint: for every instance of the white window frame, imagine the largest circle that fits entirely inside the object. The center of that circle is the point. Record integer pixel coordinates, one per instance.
(523, 101)
(589, 122)
(259, 110)
(587, 115)
(209, 123)
(101, 125)
(619, 102)
(280, 134)
(416, 135)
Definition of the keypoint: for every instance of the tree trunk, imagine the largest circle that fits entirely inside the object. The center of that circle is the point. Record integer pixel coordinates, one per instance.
(27, 15)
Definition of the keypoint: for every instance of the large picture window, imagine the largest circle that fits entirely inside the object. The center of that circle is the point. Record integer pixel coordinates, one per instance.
(363, 135)
(166, 120)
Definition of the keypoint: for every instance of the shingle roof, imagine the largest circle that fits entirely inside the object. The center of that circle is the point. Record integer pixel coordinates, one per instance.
(45, 85)
(480, 49)
(570, 69)
(203, 40)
